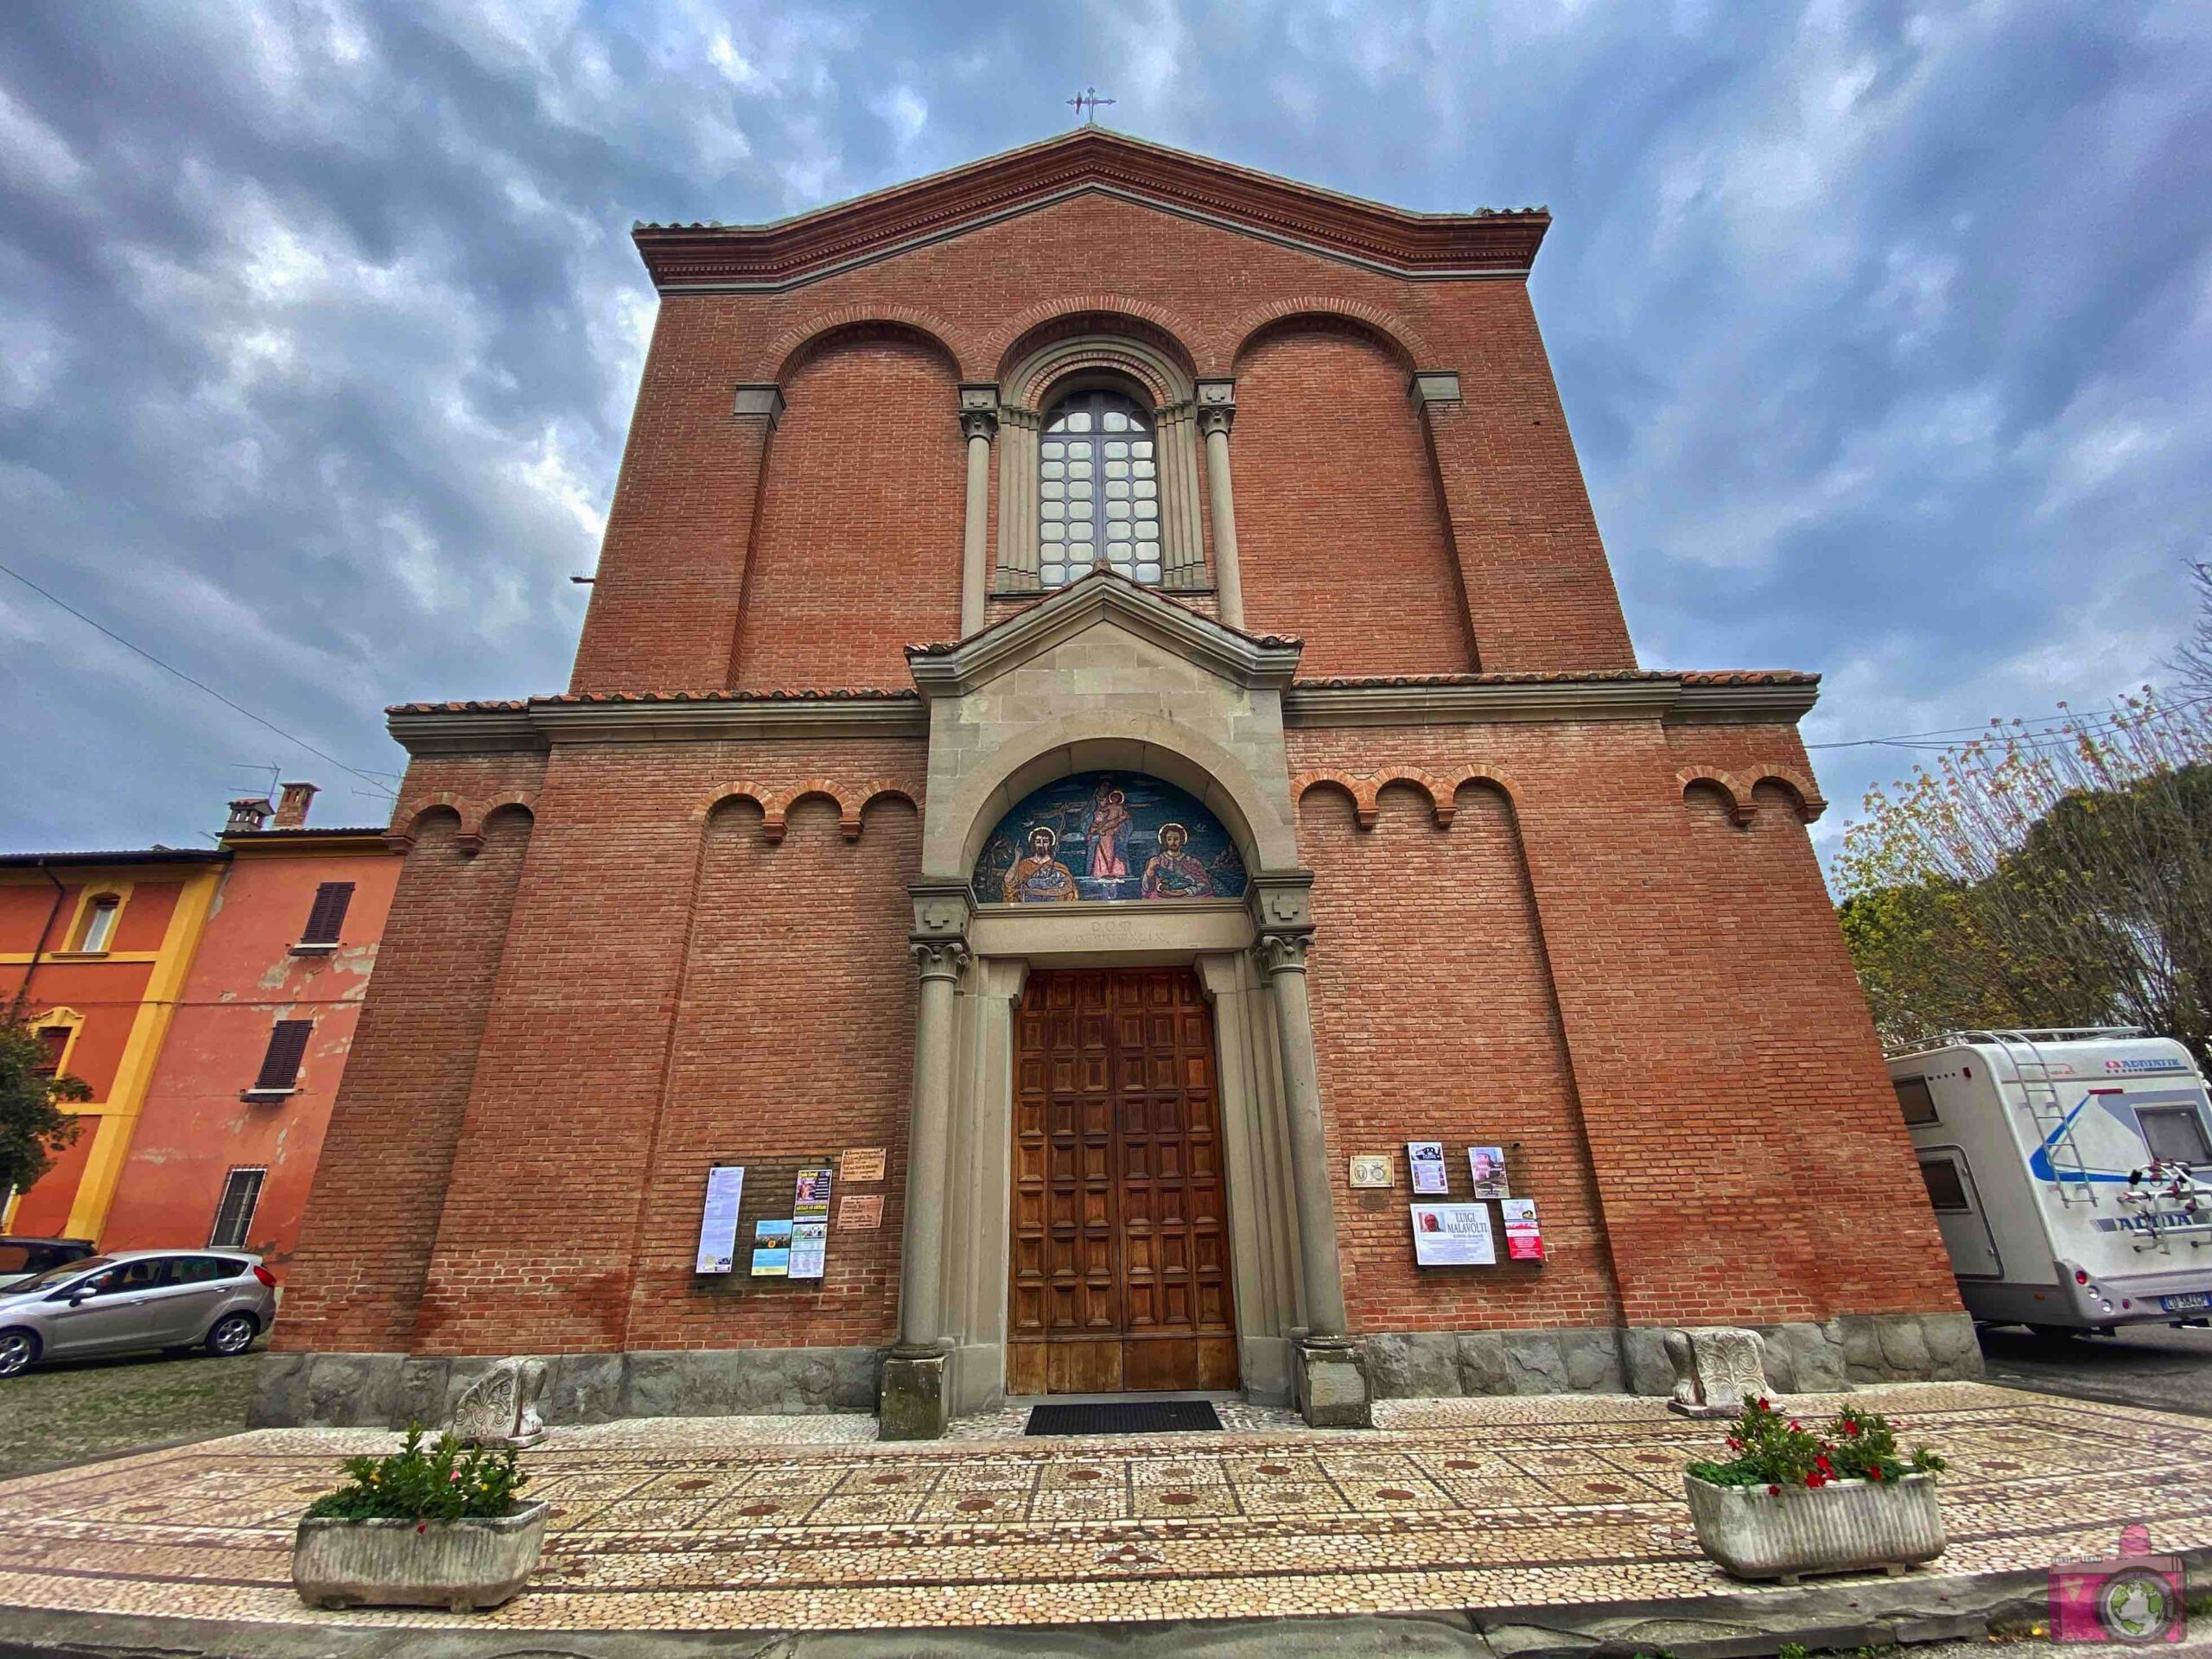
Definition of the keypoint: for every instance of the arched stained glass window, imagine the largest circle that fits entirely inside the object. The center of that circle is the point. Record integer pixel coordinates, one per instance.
(1098, 490)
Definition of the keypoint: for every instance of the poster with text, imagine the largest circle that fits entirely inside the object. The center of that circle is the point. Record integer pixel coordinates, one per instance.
(1425, 1159)
(718, 1222)
(772, 1249)
(1487, 1164)
(810, 1194)
(1524, 1239)
(809, 1248)
(1452, 1236)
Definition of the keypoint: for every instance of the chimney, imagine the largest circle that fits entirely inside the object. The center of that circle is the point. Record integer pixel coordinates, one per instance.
(292, 805)
(247, 815)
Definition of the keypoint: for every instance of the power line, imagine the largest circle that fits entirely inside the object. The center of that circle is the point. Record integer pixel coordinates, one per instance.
(201, 685)
(2056, 729)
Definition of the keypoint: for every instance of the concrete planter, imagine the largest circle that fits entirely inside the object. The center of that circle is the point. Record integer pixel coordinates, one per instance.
(1847, 1526)
(462, 1565)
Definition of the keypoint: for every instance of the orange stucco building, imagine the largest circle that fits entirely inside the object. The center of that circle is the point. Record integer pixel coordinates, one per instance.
(210, 1010)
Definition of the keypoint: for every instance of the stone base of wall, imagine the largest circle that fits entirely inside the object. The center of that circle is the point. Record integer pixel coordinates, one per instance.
(392, 1390)
(1608, 1359)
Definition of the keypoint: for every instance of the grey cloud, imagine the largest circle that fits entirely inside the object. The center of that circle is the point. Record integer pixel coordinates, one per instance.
(1884, 331)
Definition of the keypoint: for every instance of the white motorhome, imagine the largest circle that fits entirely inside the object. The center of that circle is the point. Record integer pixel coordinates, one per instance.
(2063, 1166)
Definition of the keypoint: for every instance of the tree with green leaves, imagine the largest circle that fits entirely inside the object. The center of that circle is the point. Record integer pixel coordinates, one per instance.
(2047, 875)
(33, 1126)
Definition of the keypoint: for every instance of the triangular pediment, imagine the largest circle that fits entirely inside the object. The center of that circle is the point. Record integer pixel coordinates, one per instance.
(1105, 599)
(790, 252)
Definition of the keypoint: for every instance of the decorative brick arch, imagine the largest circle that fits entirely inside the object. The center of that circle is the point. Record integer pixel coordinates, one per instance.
(1810, 804)
(756, 793)
(470, 841)
(1006, 346)
(1448, 785)
(1741, 808)
(1411, 350)
(867, 794)
(1360, 786)
(407, 824)
(790, 349)
(1440, 798)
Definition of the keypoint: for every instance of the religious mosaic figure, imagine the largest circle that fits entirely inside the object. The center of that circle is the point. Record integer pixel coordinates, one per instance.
(1173, 874)
(1108, 830)
(1041, 877)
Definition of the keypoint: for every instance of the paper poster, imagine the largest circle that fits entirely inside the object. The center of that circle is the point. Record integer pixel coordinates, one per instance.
(772, 1249)
(860, 1212)
(1524, 1239)
(718, 1222)
(809, 1248)
(863, 1164)
(1371, 1169)
(810, 1194)
(1425, 1159)
(1487, 1165)
(1452, 1236)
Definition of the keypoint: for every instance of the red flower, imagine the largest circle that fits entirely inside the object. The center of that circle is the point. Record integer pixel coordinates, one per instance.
(421, 1526)
(1874, 1472)
(1763, 1404)
(1735, 1445)
(1851, 1425)
(1774, 1491)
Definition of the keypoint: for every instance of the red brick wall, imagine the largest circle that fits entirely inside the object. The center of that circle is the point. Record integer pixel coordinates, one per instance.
(547, 1209)
(859, 549)
(1433, 1016)
(794, 1037)
(372, 1211)
(664, 610)
(1717, 1042)
(1338, 531)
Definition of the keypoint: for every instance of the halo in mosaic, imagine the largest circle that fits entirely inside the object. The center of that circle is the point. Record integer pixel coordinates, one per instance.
(1108, 835)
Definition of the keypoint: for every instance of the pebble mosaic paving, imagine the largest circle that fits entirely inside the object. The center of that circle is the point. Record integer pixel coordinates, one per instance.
(806, 1522)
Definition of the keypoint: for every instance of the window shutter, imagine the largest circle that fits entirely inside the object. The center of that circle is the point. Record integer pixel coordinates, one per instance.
(234, 1216)
(328, 915)
(53, 1040)
(287, 1043)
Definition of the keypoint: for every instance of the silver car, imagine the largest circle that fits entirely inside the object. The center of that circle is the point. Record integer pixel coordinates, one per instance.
(129, 1300)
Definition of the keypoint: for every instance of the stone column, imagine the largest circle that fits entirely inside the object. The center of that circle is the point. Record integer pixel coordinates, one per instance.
(1216, 412)
(912, 1406)
(979, 424)
(1332, 1388)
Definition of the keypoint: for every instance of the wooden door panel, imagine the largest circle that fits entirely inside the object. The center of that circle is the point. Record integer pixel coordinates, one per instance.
(1119, 1268)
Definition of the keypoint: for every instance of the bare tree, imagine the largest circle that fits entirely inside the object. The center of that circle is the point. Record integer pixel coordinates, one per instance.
(2193, 661)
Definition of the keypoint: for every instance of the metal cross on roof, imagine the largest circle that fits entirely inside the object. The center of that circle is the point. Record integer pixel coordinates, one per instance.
(1088, 99)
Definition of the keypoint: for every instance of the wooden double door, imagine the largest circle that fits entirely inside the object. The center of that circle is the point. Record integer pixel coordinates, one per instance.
(1120, 1263)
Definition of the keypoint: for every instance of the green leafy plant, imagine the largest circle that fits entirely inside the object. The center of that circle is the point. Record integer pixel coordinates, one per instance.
(33, 1126)
(448, 1482)
(1774, 1451)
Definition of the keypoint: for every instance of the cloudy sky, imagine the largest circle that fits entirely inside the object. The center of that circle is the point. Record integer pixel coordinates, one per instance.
(1885, 331)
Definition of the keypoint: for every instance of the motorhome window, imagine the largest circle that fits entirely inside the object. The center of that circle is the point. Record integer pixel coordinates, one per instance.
(1915, 1100)
(2174, 1133)
(1947, 1188)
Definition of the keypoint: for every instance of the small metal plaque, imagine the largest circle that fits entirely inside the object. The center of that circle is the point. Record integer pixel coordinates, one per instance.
(1371, 1169)
(862, 1164)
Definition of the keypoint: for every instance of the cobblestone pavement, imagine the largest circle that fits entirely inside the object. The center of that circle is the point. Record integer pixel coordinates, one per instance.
(1453, 1503)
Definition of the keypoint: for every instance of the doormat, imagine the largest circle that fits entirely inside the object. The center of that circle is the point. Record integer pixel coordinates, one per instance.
(1125, 1417)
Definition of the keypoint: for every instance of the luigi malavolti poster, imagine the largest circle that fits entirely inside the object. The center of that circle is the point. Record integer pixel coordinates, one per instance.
(1452, 1236)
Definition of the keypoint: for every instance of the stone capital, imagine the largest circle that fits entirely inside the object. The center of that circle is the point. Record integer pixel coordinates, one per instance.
(1281, 899)
(1434, 386)
(763, 401)
(938, 958)
(1285, 952)
(979, 411)
(1216, 407)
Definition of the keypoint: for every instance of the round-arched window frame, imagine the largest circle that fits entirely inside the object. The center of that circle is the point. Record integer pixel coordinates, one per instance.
(1098, 490)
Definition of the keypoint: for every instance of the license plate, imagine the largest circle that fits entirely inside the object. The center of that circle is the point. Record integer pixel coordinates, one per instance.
(2185, 1304)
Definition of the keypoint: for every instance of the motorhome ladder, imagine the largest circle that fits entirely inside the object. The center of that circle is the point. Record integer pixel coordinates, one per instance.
(2053, 1128)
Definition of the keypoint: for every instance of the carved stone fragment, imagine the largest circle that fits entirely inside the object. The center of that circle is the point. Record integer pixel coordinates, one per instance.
(500, 1407)
(1717, 1368)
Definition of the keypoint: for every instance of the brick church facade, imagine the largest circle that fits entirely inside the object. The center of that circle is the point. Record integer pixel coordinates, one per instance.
(1103, 684)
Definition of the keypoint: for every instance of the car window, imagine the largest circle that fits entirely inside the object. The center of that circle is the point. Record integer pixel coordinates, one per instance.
(15, 1258)
(57, 1275)
(206, 1269)
(127, 1277)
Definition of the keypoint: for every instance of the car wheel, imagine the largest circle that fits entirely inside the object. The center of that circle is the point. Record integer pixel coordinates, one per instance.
(234, 1334)
(18, 1349)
